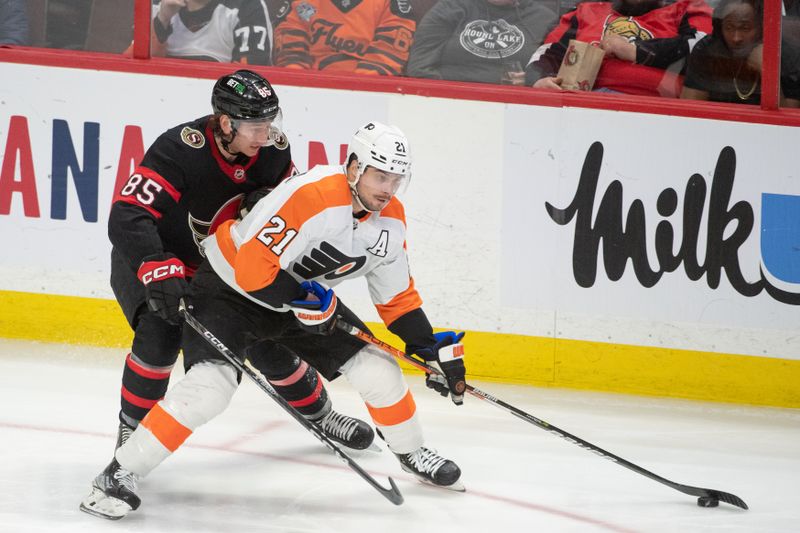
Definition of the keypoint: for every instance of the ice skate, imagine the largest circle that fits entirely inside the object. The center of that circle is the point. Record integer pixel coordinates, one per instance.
(431, 468)
(348, 431)
(113, 493)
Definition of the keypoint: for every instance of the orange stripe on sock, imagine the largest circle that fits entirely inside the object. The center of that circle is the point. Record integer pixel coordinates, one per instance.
(165, 428)
(394, 414)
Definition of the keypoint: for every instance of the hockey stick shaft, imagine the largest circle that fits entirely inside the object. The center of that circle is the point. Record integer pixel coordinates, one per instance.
(686, 489)
(392, 494)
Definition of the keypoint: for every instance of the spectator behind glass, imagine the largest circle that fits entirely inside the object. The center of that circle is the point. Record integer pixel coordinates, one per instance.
(726, 65)
(238, 31)
(13, 22)
(479, 40)
(362, 36)
(791, 22)
(641, 38)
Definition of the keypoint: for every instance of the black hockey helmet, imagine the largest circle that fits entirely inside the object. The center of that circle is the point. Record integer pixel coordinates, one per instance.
(245, 95)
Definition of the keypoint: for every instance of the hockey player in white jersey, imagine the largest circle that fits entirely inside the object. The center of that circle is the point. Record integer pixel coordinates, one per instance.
(268, 279)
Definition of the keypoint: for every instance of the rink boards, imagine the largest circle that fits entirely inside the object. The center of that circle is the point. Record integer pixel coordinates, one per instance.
(579, 248)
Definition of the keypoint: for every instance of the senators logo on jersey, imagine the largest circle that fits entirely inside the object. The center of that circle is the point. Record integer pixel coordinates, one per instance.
(192, 137)
(626, 27)
(202, 229)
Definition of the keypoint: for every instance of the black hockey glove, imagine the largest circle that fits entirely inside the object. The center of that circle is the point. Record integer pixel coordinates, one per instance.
(252, 199)
(448, 355)
(164, 278)
(317, 313)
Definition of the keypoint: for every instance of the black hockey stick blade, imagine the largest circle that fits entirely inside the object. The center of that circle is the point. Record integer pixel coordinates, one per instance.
(392, 494)
(710, 495)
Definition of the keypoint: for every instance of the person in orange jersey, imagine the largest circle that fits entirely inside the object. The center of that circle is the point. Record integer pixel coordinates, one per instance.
(267, 279)
(362, 36)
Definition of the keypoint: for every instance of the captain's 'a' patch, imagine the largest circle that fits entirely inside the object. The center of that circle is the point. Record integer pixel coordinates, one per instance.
(379, 248)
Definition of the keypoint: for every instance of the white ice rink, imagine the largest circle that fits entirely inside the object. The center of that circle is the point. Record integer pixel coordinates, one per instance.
(255, 469)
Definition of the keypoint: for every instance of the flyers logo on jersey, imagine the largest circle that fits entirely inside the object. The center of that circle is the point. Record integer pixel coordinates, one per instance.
(192, 137)
(328, 262)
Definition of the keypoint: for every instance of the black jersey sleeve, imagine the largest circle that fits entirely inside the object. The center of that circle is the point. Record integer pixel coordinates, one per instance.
(415, 330)
(550, 55)
(133, 232)
(252, 36)
(153, 189)
(698, 75)
(662, 52)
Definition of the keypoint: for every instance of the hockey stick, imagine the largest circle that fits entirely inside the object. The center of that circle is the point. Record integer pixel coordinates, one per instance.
(706, 497)
(393, 494)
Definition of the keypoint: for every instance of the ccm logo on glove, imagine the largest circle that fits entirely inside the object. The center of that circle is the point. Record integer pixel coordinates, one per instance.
(161, 270)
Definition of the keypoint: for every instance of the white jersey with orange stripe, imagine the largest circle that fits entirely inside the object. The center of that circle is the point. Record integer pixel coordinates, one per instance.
(306, 227)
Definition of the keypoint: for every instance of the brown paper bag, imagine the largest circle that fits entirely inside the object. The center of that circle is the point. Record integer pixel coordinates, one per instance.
(580, 66)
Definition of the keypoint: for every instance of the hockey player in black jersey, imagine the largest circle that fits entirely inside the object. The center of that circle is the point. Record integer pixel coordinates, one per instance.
(194, 177)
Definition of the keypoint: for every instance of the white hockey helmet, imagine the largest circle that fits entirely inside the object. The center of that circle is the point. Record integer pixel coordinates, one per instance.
(380, 146)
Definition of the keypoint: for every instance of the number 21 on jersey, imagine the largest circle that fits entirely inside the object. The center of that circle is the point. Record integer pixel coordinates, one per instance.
(271, 238)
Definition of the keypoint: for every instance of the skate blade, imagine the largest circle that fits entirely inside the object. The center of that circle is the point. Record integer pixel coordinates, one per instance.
(356, 452)
(100, 505)
(455, 487)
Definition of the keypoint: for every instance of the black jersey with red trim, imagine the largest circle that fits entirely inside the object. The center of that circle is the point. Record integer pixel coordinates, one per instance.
(183, 189)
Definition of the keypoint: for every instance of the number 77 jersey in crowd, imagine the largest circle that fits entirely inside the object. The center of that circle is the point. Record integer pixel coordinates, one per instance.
(306, 228)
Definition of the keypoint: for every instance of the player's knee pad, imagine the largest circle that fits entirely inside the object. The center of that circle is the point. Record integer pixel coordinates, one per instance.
(203, 393)
(274, 361)
(378, 379)
(376, 376)
(293, 379)
(155, 341)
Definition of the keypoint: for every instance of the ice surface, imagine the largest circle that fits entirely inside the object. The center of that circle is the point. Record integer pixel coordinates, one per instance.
(255, 469)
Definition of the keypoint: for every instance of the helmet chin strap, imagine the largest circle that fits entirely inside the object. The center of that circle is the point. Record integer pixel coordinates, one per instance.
(226, 144)
(354, 193)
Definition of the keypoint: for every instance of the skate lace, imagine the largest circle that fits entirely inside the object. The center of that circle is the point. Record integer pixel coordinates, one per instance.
(425, 460)
(126, 478)
(124, 434)
(341, 426)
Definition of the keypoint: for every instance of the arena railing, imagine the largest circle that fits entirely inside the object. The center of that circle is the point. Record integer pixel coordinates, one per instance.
(139, 60)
